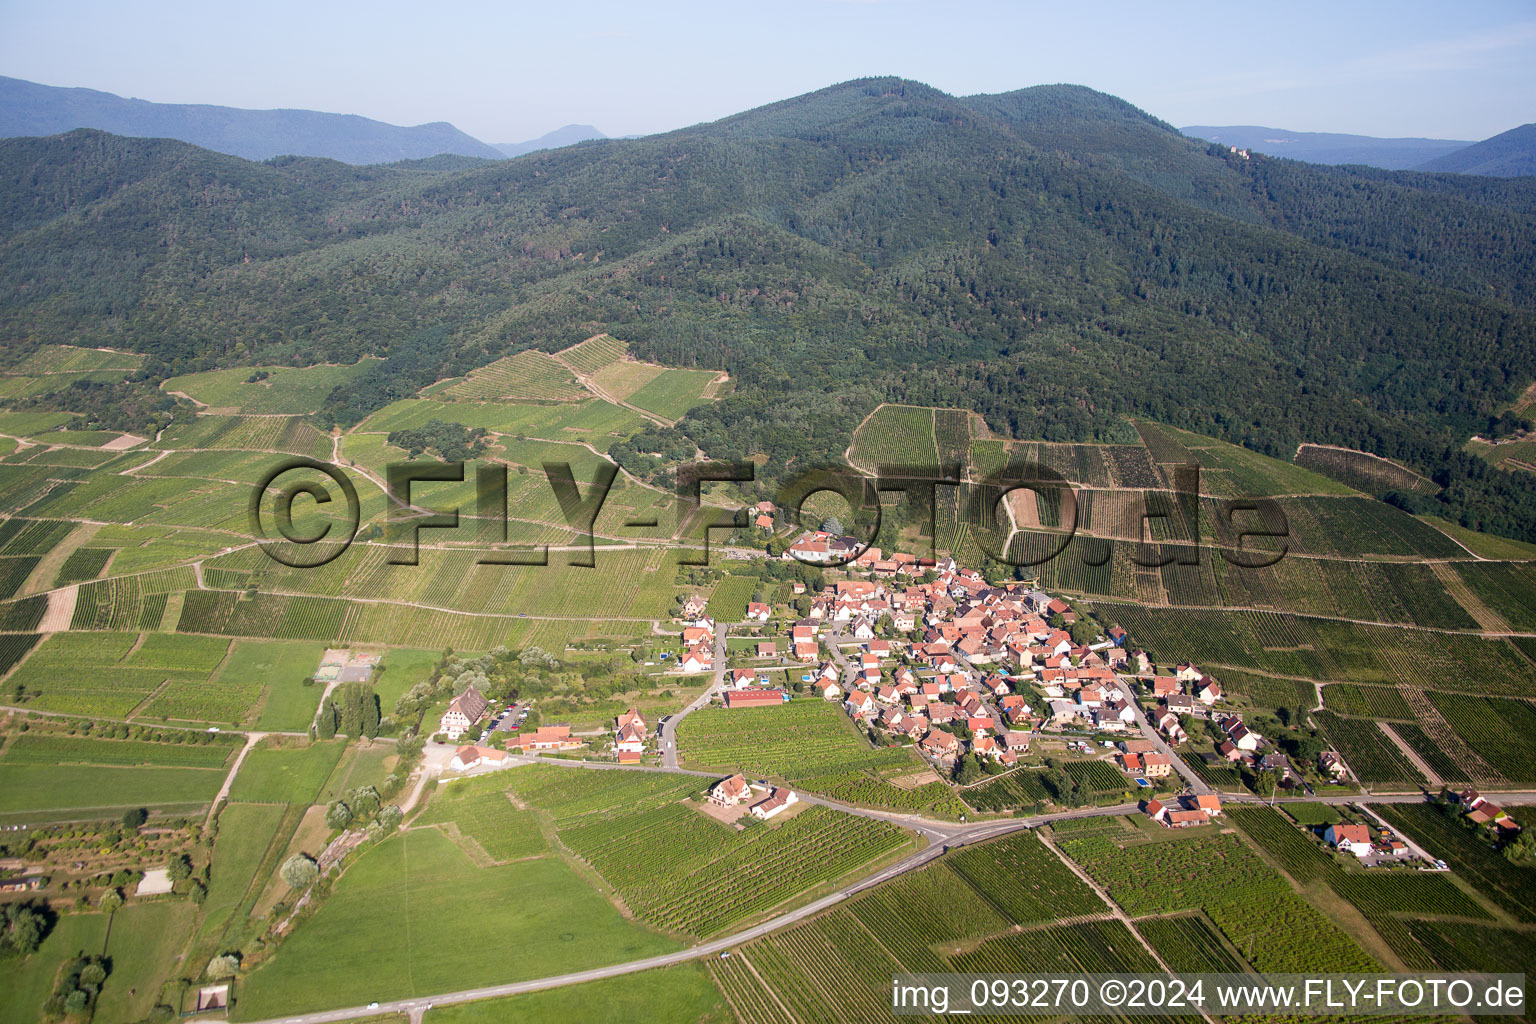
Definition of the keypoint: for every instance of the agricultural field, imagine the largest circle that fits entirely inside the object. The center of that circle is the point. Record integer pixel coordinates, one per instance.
(1370, 754)
(98, 777)
(1377, 702)
(1020, 789)
(1323, 649)
(1227, 469)
(278, 389)
(705, 876)
(1442, 834)
(1508, 588)
(480, 810)
(391, 929)
(1190, 943)
(595, 353)
(684, 994)
(1025, 880)
(527, 376)
(673, 392)
(1485, 545)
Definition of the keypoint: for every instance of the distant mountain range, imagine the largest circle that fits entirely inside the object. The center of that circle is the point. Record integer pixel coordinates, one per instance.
(567, 136)
(1507, 155)
(27, 108)
(1327, 147)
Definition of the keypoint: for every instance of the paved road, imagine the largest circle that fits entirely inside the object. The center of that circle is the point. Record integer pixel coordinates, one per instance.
(668, 737)
(1196, 783)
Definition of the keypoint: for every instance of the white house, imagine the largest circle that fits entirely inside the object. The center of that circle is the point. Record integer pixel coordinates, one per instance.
(1355, 839)
(463, 711)
(729, 792)
(773, 803)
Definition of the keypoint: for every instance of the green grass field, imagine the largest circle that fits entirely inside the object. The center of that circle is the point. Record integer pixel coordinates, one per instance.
(246, 831)
(285, 774)
(394, 927)
(279, 670)
(26, 984)
(39, 792)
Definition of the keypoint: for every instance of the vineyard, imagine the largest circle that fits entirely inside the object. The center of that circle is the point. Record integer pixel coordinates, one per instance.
(1323, 649)
(1362, 470)
(484, 814)
(895, 435)
(683, 871)
(953, 910)
(595, 353)
(1374, 758)
(1378, 702)
(1020, 789)
(672, 393)
(1189, 943)
(42, 748)
(280, 389)
(1219, 874)
(1509, 588)
(1442, 834)
(529, 376)
(1025, 880)
(1501, 731)
(293, 435)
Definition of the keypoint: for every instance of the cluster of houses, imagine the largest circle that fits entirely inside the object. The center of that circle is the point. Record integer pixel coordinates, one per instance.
(1187, 811)
(698, 637)
(1141, 758)
(763, 801)
(1481, 812)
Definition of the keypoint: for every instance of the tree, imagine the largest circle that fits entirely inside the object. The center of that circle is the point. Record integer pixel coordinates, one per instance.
(338, 815)
(325, 726)
(197, 891)
(223, 966)
(390, 817)
(299, 871)
(135, 818)
(363, 800)
(111, 901)
(179, 868)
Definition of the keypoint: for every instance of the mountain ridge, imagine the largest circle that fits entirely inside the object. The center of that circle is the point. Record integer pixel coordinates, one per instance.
(1056, 261)
(1506, 155)
(29, 109)
(1393, 154)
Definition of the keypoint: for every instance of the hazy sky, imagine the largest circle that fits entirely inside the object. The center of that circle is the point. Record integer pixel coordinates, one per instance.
(507, 71)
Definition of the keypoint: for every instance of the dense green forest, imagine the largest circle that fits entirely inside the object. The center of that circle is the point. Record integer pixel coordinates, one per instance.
(1053, 258)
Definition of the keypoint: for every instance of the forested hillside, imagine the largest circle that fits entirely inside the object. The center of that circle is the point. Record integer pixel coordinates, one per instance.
(1054, 259)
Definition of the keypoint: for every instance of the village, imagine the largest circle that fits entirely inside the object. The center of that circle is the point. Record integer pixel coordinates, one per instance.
(980, 679)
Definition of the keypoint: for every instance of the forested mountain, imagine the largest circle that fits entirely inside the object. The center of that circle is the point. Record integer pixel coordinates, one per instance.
(1506, 155)
(1052, 258)
(27, 108)
(1327, 147)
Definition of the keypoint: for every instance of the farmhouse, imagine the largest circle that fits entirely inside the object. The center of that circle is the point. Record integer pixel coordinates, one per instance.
(463, 711)
(729, 792)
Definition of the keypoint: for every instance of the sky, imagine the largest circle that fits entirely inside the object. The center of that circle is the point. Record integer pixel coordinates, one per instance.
(508, 71)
